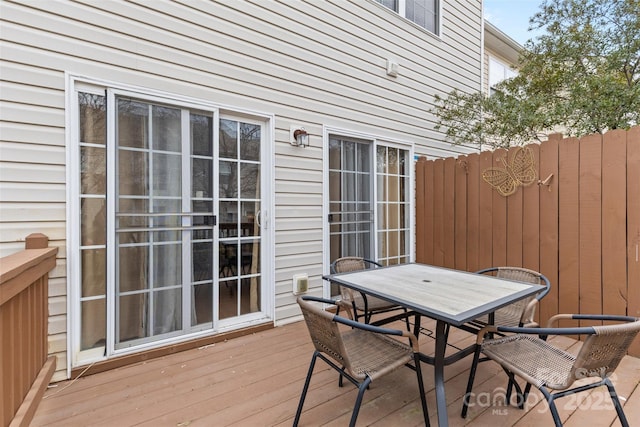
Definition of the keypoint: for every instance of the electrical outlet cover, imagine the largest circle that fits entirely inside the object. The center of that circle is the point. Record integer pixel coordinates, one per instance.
(300, 283)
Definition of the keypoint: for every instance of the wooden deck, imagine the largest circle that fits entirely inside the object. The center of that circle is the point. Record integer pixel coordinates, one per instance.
(256, 381)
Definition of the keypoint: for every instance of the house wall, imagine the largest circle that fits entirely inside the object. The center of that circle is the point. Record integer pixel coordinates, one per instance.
(485, 65)
(316, 63)
(499, 46)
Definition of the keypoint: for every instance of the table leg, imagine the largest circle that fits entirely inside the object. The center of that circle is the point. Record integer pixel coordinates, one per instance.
(416, 325)
(441, 398)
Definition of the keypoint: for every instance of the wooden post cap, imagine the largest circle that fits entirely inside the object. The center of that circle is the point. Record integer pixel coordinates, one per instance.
(36, 241)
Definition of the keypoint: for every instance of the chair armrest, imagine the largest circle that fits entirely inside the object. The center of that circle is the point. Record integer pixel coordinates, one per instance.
(370, 261)
(544, 292)
(484, 331)
(533, 331)
(549, 330)
(378, 330)
(609, 317)
(353, 323)
(365, 326)
(318, 299)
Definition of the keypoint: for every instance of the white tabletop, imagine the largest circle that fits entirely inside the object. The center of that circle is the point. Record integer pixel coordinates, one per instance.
(450, 295)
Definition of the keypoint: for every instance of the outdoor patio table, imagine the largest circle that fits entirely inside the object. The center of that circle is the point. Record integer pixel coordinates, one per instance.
(451, 297)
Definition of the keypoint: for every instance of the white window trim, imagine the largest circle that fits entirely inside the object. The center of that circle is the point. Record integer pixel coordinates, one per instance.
(402, 13)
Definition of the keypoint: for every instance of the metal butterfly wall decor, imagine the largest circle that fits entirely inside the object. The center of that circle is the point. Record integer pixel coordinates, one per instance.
(520, 171)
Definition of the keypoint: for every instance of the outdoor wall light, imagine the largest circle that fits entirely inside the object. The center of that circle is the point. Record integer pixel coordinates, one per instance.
(298, 136)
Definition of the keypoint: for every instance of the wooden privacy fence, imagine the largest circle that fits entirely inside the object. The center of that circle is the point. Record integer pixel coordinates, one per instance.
(578, 223)
(25, 370)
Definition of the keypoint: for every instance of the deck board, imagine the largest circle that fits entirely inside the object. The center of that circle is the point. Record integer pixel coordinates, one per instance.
(256, 380)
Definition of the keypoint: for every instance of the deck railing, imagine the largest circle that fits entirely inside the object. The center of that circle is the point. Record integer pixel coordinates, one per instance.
(25, 369)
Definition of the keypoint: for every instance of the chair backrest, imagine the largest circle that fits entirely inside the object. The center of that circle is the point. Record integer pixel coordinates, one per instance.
(602, 351)
(324, 332)
(351, 263)
(520, 274)
(347, 264)
(523, 309)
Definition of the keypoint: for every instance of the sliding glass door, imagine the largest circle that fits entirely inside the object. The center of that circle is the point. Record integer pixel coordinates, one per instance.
(170, 234)
(369, 201)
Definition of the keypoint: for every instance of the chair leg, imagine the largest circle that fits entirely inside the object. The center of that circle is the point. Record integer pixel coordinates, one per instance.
(527, 389)
(423, 400)
(520, 396)
(509, 391)
(305, 388)
(552, 406)
(472, 374)
(616, 403)
(367, 314)
(340, 382)
(355, 311)
(361, 389)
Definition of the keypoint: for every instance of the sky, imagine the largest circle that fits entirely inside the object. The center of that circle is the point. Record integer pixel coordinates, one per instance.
(512, 16)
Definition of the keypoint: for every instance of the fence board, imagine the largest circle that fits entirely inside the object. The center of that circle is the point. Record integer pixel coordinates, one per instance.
(472, 171)
(531, 219)
(549, 227)
(449, 211)
(461, 214)
(438, 212)
(421, 213)
(485, 254)
(590, 224)
(633, 228)
(429, 207)
(499, 216)
(614, 227)
(568, 230)
(514, 228)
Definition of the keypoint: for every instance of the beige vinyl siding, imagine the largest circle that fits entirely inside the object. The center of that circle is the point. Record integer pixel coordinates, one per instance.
(499, 46)
(485, 72)
(314, 63)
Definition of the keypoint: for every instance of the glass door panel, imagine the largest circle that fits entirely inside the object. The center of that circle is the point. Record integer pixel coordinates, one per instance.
(350, 205)
(239, 230)
(393, 205)
(148, 206)
(92, 135)
(202, 237)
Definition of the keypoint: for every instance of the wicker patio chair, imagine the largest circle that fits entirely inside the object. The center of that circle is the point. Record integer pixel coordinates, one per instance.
(520, 313)
(526, 353)
(360, 352)
(362, 303)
